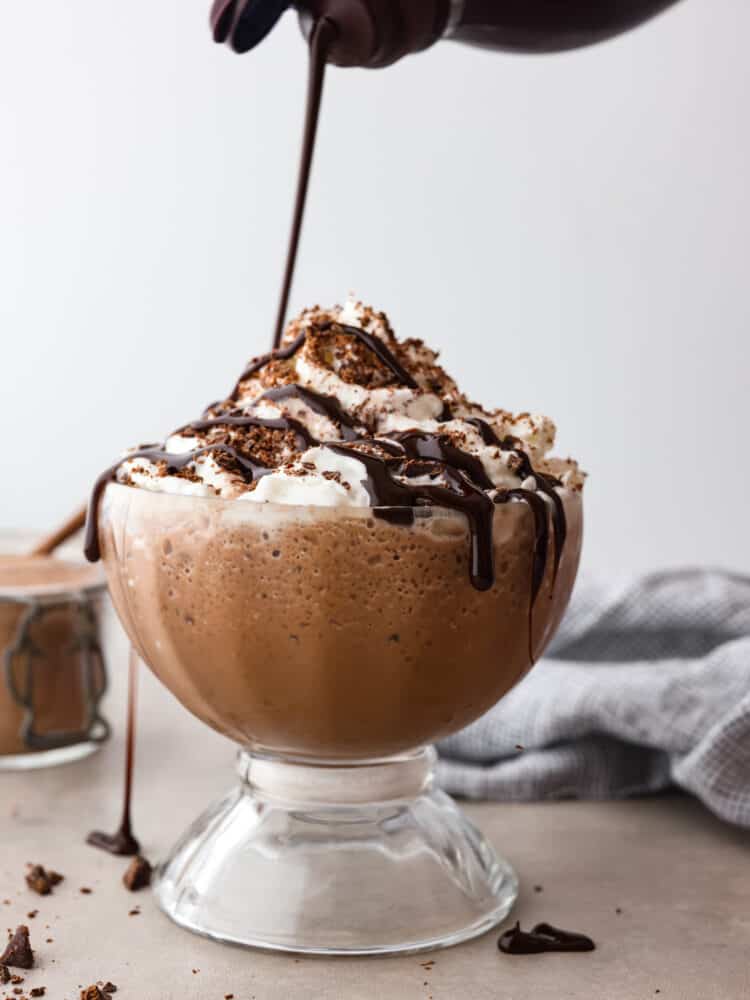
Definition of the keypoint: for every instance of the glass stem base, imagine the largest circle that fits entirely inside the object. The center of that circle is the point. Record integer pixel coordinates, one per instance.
(353, 859)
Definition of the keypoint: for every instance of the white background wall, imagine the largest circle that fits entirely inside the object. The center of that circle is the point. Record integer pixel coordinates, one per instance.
(572, 231)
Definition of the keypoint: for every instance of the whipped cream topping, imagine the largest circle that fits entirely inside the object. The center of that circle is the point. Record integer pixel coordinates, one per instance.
(342, 414)
(337, 389)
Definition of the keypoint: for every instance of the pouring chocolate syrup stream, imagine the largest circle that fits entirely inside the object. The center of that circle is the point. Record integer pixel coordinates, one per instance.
(323, 34)
(122, 841)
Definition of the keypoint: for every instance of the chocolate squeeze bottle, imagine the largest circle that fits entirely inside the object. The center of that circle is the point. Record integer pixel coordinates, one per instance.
(376, 33)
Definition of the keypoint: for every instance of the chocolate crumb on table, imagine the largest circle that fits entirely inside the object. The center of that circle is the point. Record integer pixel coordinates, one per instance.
(108, 987)
(38, 991)
(32, 913)
(18, 952)
(138, 874)
(84, 890)
(95, 992)
(41, 881)
(17, 980)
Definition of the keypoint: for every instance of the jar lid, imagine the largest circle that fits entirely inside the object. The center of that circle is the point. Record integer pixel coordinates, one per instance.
(24, 576)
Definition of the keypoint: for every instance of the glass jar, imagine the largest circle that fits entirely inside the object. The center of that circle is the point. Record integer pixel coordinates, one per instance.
(52, 669)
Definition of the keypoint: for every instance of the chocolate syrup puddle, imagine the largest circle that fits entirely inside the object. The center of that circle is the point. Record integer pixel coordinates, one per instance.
(323, 34)
(542, 938)
(122, 841)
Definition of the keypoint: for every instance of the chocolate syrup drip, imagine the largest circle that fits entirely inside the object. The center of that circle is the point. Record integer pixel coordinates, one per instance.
(542, 938)
(486, 431)
(304, 437)
(422, 444)
(545, 484)
(327, 406)
(538, 509)
(541, 532)
(175, 461)
(122, 841)
(417, 444)
(462, 495)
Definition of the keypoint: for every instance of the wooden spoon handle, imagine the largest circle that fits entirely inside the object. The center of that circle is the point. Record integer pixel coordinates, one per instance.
(48, 544)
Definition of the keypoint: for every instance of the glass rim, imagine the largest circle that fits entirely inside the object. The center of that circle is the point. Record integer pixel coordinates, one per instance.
(420, 512)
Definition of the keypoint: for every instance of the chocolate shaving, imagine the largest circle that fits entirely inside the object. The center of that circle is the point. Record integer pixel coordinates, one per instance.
(18, 953)
(93, 993)
(41, 881)
(138, 874)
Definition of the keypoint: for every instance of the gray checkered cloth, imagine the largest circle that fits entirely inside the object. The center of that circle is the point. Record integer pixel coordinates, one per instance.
(646, 685)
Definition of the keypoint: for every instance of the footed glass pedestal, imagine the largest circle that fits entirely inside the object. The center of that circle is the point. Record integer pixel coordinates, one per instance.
(353, 859)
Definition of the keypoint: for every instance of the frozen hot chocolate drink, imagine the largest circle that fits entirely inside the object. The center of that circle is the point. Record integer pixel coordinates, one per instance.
(340, 562)
(345, 558)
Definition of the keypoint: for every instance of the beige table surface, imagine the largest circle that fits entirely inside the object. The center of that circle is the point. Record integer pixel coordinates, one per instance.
(680, 878)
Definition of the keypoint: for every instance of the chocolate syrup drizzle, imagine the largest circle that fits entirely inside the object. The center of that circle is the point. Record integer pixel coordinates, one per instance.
(461, 482)
(542, 938)
(462, 495)
(277, 354)
(327, 406)
(373, 343)
(544, 484)
(175, 461)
